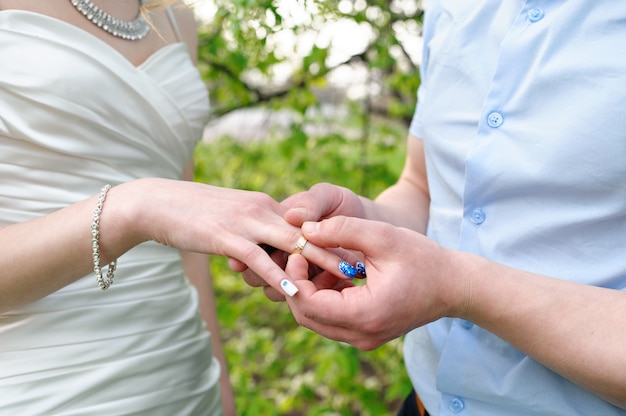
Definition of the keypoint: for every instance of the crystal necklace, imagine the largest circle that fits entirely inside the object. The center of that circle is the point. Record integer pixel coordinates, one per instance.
(129, 30)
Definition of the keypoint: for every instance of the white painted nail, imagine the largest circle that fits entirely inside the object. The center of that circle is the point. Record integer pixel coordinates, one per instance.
(289, 288)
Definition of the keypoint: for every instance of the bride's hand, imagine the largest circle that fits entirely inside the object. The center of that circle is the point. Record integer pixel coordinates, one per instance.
(322, 200)
(209, 219)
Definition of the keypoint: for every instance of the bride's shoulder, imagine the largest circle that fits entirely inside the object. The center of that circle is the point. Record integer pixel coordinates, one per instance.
(185, 19)
(180, 18)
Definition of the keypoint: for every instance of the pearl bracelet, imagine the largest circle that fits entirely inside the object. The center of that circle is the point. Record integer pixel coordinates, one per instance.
(95, 245)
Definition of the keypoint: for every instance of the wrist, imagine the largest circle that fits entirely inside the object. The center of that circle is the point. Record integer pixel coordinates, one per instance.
(121, 225)
(462, 269)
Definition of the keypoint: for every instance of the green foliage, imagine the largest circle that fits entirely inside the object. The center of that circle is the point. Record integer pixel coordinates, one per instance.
(282, 167)
(239, 57)
(277, 367)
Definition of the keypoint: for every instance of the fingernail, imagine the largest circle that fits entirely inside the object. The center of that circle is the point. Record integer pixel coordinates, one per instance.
(347, 269)
(299, 212)
(360, 269)
(303, 213)
(310, 227)
(288, 287)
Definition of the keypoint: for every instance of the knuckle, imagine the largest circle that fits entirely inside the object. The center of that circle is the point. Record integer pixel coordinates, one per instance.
(367, 344)
(253, 279)
(374, 327)
(249, 252)
(273, 295)
(264, 199)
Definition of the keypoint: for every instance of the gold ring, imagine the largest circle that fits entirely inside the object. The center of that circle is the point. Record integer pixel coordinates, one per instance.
(299, 245)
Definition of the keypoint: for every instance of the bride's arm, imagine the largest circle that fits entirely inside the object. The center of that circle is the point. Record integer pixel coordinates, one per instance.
(40, 256)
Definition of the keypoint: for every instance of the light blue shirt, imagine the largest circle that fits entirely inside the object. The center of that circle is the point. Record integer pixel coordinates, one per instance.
(522, 110)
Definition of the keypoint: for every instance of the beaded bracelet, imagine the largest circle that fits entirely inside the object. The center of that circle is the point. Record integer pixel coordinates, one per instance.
(95, 234)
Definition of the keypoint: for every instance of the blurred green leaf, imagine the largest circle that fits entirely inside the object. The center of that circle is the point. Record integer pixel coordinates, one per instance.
(277, 367)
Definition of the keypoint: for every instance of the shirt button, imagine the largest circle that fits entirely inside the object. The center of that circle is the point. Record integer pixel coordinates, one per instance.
(456, 405)
(467, 324)
(495, 119)
(535, 15)
(478, 216)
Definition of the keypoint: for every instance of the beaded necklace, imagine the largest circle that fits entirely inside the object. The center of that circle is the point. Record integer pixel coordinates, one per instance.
(130, 30)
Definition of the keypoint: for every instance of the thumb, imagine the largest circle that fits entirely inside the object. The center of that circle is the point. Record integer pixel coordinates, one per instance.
(349, 233)
(318, 202)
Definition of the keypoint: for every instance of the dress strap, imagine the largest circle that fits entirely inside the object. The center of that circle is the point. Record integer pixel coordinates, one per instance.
(172, 19)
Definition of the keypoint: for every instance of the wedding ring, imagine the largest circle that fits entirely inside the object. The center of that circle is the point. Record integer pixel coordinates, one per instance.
(299, 245)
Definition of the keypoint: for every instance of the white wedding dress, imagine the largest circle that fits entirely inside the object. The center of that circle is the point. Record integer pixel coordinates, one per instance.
(75, 114)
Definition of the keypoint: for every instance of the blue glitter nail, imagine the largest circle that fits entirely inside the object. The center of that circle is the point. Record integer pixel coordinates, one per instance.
(360, 269)
(347, 269)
